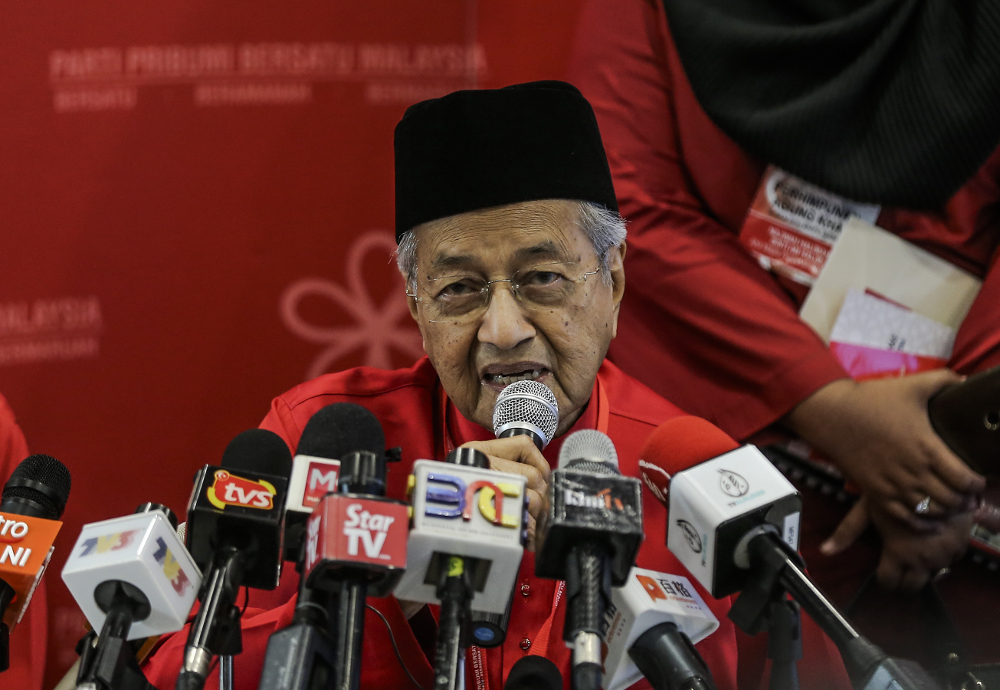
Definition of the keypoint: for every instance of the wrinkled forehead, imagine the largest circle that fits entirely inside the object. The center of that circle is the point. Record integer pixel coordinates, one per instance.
(506, 238)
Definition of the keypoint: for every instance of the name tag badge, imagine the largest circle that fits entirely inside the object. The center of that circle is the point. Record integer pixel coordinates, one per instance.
(792, 225)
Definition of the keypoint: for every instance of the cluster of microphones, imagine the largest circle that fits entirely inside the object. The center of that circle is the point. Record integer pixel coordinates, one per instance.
(732, 522)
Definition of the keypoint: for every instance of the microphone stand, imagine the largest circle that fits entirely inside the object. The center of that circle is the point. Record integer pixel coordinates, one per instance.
(107, 661)
(226, 672)
(776, 570)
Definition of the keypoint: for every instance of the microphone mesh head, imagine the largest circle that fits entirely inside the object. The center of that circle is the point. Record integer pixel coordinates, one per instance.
(589, 446)
(527, 401)
(47, 471)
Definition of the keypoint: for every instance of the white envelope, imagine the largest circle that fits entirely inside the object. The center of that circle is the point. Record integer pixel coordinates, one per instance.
(873, 322)
(866, 257)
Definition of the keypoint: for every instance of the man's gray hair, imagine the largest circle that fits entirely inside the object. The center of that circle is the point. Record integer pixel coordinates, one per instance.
(604, 228)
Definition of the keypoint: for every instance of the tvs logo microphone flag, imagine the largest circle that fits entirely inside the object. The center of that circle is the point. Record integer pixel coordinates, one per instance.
(231, 490)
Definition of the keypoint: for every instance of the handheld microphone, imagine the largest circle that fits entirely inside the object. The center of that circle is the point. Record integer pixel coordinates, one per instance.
(588, 535)
(32, 502)
(235, 530)
(738, 532)
(653, 622)
(526, 408)
(132, 578)
(467, 536)
(534, 672)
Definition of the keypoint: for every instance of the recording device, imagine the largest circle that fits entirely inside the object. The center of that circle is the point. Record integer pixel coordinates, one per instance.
(333, 431)
(738, 532)
(526, 408)
(589, 534)
(304, 654)
(718, 505)
(653, 622)
(32, 502)
(966, 416)
(533, 672)
(356, 540)
(235, 532)
(467, 534)
(132, 578)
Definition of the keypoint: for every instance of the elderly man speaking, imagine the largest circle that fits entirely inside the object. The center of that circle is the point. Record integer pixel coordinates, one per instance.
(511, 247)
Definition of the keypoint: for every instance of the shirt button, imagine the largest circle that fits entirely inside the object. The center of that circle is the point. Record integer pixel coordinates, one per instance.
(525, 644)
(525, 589)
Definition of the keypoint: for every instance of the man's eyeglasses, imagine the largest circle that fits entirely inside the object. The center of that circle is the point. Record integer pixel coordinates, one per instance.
(466, 297)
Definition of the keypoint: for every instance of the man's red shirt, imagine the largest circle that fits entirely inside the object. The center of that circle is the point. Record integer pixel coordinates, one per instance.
(416, 415)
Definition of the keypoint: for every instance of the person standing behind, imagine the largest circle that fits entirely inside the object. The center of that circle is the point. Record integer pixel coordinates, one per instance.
(706, 324)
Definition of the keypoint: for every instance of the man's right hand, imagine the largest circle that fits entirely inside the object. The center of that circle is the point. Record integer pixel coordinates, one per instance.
(878, 433)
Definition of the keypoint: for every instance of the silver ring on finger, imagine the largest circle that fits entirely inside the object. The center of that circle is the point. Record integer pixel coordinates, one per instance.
(940, 574)
(923, 507)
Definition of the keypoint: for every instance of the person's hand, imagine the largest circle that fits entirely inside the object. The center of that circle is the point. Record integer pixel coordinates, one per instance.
(519, 455)
(879, 435)
(909, 558)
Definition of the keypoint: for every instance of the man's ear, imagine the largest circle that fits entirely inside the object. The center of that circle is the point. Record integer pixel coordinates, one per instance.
(616, 269)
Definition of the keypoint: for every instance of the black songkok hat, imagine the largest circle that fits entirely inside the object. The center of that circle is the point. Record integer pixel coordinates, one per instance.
(472, 150)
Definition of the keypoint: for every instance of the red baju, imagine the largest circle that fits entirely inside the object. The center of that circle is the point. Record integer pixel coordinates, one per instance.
(701, 322)
(417, 416)
(28, 639)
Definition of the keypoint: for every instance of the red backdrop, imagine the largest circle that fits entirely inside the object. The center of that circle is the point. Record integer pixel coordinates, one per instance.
(197, 208)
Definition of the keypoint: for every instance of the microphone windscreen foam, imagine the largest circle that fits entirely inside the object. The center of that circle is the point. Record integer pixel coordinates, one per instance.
(534, 672)
(42, 470)
(258, 450)
(676, 445)
(339, 429)
(528, 402)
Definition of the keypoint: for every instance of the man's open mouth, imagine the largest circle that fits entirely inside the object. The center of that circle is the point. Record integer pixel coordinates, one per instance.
(509, 377)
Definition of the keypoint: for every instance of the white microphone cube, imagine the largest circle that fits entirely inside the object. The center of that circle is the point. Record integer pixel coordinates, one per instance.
(647, 599)
(454, 513)
(144, 551)
(713, 505)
